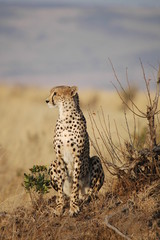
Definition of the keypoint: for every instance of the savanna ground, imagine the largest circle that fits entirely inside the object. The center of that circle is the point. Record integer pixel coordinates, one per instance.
(124, 209)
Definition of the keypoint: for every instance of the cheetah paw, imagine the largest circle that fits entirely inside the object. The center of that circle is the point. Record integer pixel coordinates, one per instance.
(58, 211)
(74, 210)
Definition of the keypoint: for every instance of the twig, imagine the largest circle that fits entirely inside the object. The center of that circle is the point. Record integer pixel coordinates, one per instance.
(118, 136)
(124, 102)
(108, 136)
(106, 164)
(122, 88)
(128, 130)
(114, 228)
(96, 146)
(153, 67)
(92, 121)
(94, 125)
(147, 83)
(134, 117)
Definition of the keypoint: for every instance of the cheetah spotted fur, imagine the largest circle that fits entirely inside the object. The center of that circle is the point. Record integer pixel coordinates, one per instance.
(73, 172)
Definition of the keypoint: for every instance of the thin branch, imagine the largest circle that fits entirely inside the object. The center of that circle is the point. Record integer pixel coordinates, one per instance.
(96, 146)
(158, 87)
(153, 67)
(146, 83)
(106, 164)
(118, 136)
(114, 228)
(124, 92)
(91, 119)
(128, 130)
(158, 75)
(156, 113)
(129, 87)
(138, 115)
(158, 120)
(109, 138)
(135, 128)
(111, 151)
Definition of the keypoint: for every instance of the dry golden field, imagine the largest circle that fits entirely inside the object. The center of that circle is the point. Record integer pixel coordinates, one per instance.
(27, 126)
(26, 132)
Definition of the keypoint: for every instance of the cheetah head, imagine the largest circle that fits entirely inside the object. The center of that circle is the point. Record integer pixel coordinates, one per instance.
(60, 94)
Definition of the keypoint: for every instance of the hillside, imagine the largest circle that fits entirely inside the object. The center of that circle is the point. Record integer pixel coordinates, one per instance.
(26, 128)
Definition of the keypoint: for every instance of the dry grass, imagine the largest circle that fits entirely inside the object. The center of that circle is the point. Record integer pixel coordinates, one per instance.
(26, 139)
(27, 126)
(136, 216)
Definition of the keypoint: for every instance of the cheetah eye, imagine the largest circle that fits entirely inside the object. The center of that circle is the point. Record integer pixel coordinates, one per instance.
(54, 94)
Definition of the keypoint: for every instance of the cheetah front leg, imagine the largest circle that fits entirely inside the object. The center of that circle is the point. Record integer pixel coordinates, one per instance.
(74, 200)
(53, 176)
(60, 196)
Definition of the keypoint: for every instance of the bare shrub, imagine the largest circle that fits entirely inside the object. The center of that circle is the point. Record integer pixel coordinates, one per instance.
(134, 161)
(128, 95)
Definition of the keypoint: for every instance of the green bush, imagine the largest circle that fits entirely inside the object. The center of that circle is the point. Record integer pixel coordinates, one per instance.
(37, 180)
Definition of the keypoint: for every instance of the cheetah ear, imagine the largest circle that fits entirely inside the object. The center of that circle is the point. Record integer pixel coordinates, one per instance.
(74, 90)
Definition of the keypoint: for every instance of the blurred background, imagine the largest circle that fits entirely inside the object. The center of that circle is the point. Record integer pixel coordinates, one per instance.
(44, 43)
(47, 43)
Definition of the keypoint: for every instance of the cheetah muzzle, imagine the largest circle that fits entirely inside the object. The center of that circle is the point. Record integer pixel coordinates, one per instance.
(73, 173)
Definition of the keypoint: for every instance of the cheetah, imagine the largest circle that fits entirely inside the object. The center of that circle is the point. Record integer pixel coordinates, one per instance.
(73, 173)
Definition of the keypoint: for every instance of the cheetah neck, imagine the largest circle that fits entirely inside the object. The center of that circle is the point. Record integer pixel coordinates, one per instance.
(66, 109)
